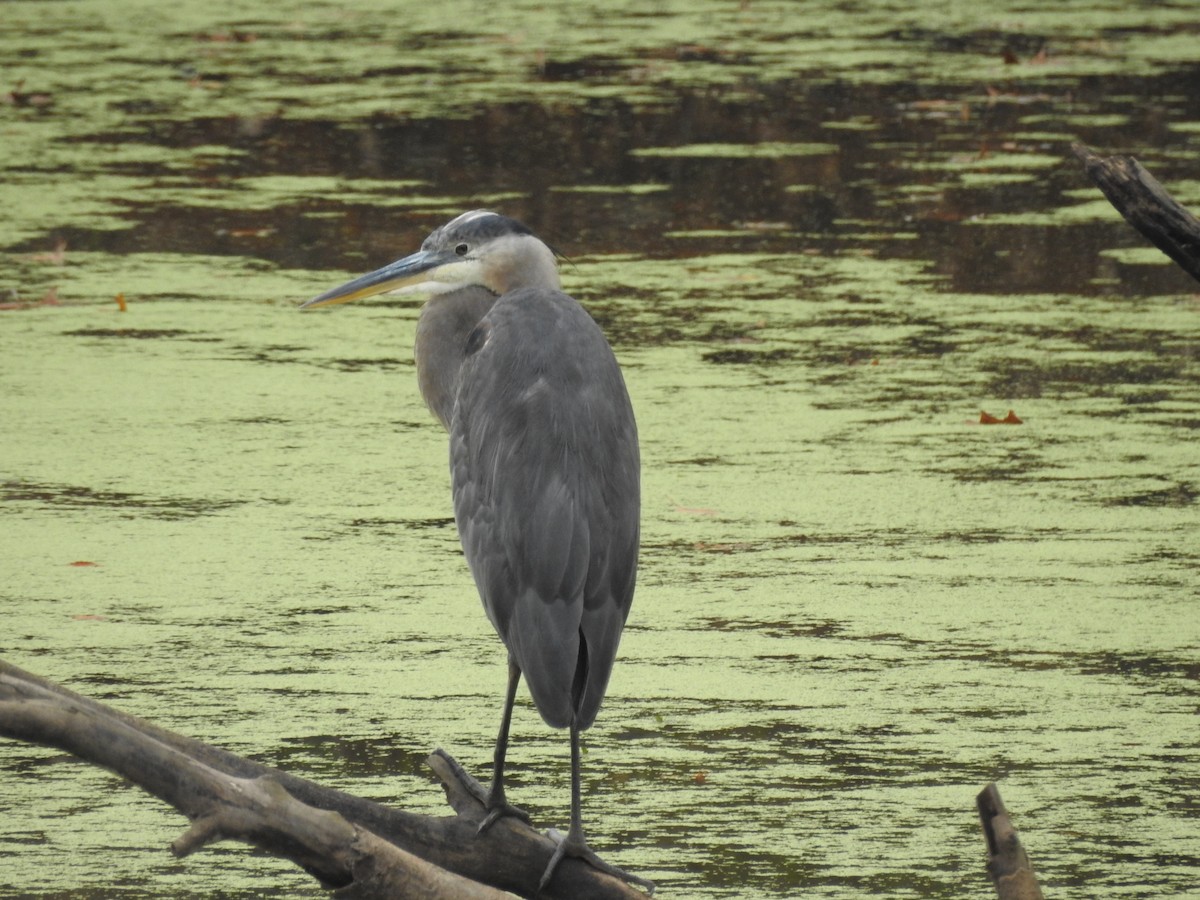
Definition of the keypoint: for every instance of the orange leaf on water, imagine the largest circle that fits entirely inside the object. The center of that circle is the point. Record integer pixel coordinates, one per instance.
(81, 563)
(986, 418)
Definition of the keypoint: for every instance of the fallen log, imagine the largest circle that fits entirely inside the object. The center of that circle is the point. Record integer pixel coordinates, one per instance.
(353, 846)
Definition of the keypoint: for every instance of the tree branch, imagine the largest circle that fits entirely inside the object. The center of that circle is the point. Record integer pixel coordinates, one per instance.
(1146, 205)
(1011, 871)
(361, 848)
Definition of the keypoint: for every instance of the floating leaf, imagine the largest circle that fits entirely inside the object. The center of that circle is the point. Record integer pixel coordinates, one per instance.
(986, 418)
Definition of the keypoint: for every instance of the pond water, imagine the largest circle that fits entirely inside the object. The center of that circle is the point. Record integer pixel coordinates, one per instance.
(821, 238)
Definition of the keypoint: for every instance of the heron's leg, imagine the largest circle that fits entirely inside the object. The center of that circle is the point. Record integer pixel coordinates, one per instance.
(575, 844)
(497, 805)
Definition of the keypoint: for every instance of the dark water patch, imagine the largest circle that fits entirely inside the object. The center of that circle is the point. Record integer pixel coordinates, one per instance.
(774, 871)
(1001, 258)
(1172, 559)
(1163, 346)
(142, 334)
(73, 496)
(726, 333)
(742, 356)
(1003, 44)
(1146, 398)
(1139, 666)
(780, 629)
(271, 354)
(1153, 671)
(394, 71)
(320, 652)
(381, 364)
(261, 420)
(763, 733)
(852, 197)
(1160, 674)
(585, 69)
(345, 757)
(1177, 495)
(1110, 340)
(388, 526)
(1014, 465)
(1093, 377)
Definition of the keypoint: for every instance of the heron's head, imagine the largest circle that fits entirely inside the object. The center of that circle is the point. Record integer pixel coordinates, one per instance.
(479, 247)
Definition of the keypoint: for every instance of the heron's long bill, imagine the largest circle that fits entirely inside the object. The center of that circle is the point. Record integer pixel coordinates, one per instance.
(402, 273)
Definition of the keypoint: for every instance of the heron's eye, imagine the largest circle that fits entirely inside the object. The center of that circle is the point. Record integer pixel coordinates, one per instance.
(461, 249)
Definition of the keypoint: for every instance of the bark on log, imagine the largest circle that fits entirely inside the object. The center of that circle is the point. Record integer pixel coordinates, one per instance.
(1146, 205)
(358, 848)
(1010, 869)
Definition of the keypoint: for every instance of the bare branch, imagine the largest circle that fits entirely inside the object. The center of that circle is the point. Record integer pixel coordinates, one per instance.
(1146, 205)
(1011, 871)
(343, 841)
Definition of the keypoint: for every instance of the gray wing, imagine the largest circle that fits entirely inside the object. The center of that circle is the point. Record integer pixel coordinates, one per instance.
(545, 472)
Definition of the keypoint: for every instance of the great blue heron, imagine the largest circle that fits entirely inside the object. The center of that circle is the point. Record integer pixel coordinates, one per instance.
(544, 468)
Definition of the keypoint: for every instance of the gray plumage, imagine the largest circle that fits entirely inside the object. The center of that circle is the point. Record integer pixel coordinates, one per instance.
(546, 494)
(544, 468)
(543, 465)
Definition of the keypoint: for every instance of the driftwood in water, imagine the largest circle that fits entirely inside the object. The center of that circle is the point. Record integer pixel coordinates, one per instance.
(1011, 871)
(1146, 205)
(355, 847)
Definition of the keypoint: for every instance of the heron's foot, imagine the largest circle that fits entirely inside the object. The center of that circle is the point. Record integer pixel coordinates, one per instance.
(498, 807)
(575, 845)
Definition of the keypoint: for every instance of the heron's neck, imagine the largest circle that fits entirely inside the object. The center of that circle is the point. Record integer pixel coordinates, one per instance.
(442, 329)
(529, 264)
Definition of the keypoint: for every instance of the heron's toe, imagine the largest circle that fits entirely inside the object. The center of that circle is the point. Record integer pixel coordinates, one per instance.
(499, 810)
(574, 845)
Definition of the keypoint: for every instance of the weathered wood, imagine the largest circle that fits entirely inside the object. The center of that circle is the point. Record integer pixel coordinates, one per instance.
(361, 848)
(1008, 865)
(1146, 205)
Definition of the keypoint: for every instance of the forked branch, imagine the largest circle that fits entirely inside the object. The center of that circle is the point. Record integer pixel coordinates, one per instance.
(355, 847)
